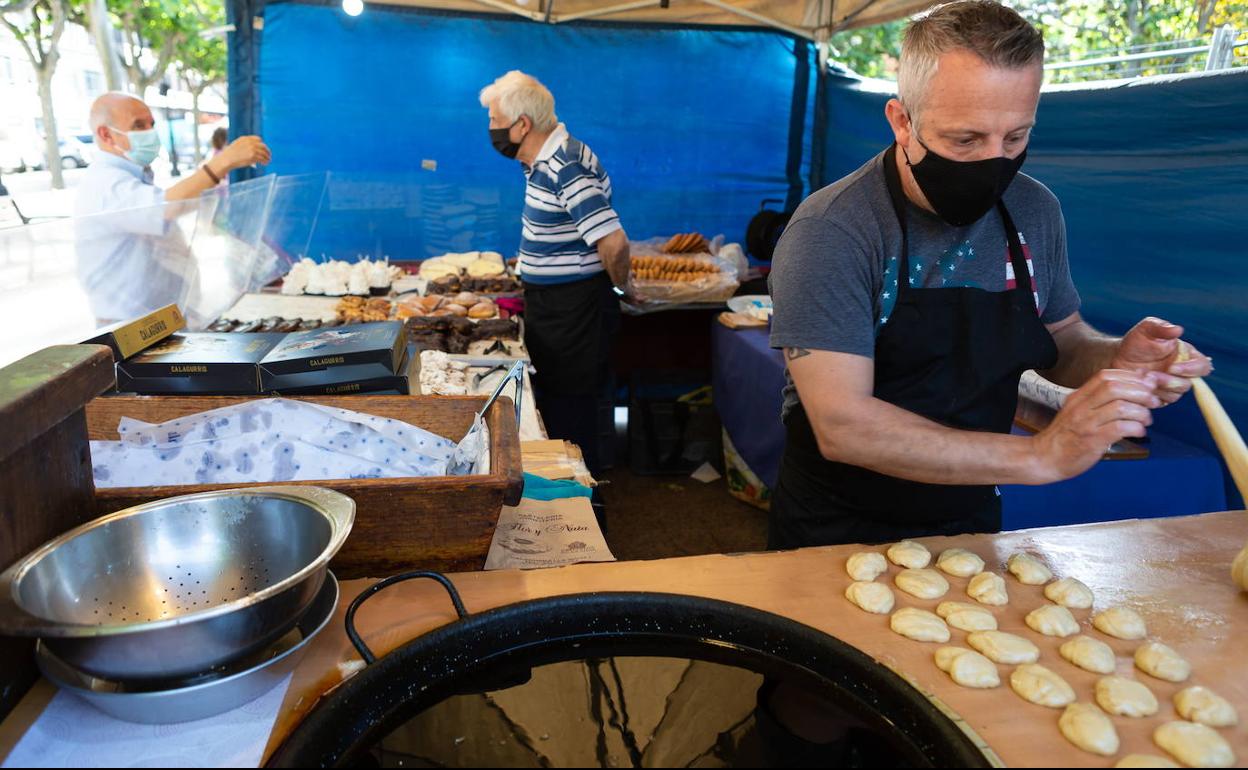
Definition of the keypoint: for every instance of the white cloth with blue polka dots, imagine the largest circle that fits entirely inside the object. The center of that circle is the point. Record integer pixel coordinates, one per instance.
(268, 440)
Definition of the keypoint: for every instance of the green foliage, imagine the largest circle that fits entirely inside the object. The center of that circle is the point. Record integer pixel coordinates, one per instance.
(1078, 29)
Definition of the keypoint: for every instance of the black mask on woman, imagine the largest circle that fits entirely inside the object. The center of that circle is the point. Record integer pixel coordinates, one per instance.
(501, 139)
(963, 191)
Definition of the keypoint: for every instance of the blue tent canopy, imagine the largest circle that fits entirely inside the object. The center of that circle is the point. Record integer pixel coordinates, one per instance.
(698, 125)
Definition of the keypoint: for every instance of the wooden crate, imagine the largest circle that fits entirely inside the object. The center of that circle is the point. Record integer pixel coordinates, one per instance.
(45, 469)
(441, 523)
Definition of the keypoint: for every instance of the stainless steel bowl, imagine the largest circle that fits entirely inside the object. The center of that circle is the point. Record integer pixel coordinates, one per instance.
(201, 697)
(180, 586)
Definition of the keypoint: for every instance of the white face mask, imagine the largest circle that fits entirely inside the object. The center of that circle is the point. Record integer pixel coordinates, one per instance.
(144, 145)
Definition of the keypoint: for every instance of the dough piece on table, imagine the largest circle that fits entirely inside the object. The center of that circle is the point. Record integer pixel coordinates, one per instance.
(909, 554)
(1202, 705)
(1194, 745)
(919, 625)
(1037, 684)
(1089, 729)
(967, 617)
(960, 562)
(1156, 659)
(1052, 620)
(1120, 623)
(1028, 569)
(1000, 647)
(967, 668)
(875, 598)
(1144, 760)
(1090, 654)
(1125, 697)
(866, 565)
(988, 588)
(923, 583)
(1069, 593)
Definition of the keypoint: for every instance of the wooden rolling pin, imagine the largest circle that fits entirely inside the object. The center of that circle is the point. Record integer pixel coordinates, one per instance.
(1232, 447)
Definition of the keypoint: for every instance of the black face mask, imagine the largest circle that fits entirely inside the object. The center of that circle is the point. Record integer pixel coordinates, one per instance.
(963, 191)
(501, 139)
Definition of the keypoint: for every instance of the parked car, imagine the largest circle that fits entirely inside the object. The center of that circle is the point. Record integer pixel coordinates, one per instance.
(74, 154)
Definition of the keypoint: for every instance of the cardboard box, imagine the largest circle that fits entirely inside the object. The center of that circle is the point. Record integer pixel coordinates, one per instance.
(198, 363)
(318, 357)
(352, 380)
(128, 338)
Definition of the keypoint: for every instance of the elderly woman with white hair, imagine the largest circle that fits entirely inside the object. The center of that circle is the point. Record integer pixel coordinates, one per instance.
(573, 251)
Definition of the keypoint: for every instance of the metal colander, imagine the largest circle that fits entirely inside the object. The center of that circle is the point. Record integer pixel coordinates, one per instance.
(180, 586)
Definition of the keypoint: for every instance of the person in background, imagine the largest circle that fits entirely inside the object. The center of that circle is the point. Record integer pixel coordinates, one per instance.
(220, 138)
(573, 251)
(129, 260)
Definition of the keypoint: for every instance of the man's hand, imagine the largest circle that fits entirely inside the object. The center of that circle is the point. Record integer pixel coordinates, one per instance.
(245, 151)
(1152, 345)
(1114, 404)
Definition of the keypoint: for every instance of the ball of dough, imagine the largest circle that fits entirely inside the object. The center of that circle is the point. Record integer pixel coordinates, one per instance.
(1202, 705)
(1028, 569)
(1120, 623)
(1052, 620)
(960, 562)
(909, 554)
(876, 598)
(1125, 697)
(1000, 647)
(923, 583)
(1037, 684)
(919, 625)
(1089, 729)
(988, 588)
(967, 667)
(1090, 654)
(1194, 745)
(1156, 659)
(866, 565)
(1144, 760)
(967, 617)
(1070, 593)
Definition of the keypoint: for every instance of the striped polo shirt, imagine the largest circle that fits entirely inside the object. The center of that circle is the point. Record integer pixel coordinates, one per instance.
(567, 209)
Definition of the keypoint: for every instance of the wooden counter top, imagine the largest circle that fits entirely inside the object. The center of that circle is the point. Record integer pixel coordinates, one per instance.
(1174, 572)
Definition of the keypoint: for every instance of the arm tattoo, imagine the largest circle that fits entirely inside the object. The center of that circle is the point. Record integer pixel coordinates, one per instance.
(795, 353)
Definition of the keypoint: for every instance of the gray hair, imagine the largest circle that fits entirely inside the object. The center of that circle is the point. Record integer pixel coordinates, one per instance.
(520, 94)
(994, 33)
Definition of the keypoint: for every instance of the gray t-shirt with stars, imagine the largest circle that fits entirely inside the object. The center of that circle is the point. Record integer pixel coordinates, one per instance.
(834, 275)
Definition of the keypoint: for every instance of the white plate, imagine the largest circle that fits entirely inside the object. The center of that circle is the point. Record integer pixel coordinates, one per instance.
(754, 305)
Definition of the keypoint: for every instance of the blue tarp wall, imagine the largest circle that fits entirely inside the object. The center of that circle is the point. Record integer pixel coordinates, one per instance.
(1153, 180)
(694, 128)
(698, 126)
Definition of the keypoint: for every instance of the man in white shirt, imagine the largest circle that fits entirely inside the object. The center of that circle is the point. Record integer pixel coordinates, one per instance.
(130, 259)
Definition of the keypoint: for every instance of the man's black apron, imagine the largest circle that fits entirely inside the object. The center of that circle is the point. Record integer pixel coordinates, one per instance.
(953, 355)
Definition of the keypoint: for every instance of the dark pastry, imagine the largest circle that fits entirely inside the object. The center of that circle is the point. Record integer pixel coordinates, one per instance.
(248, 326)
(222, 325)
(457, 343)
(462, 326)
(497, 328)
(289, 325)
